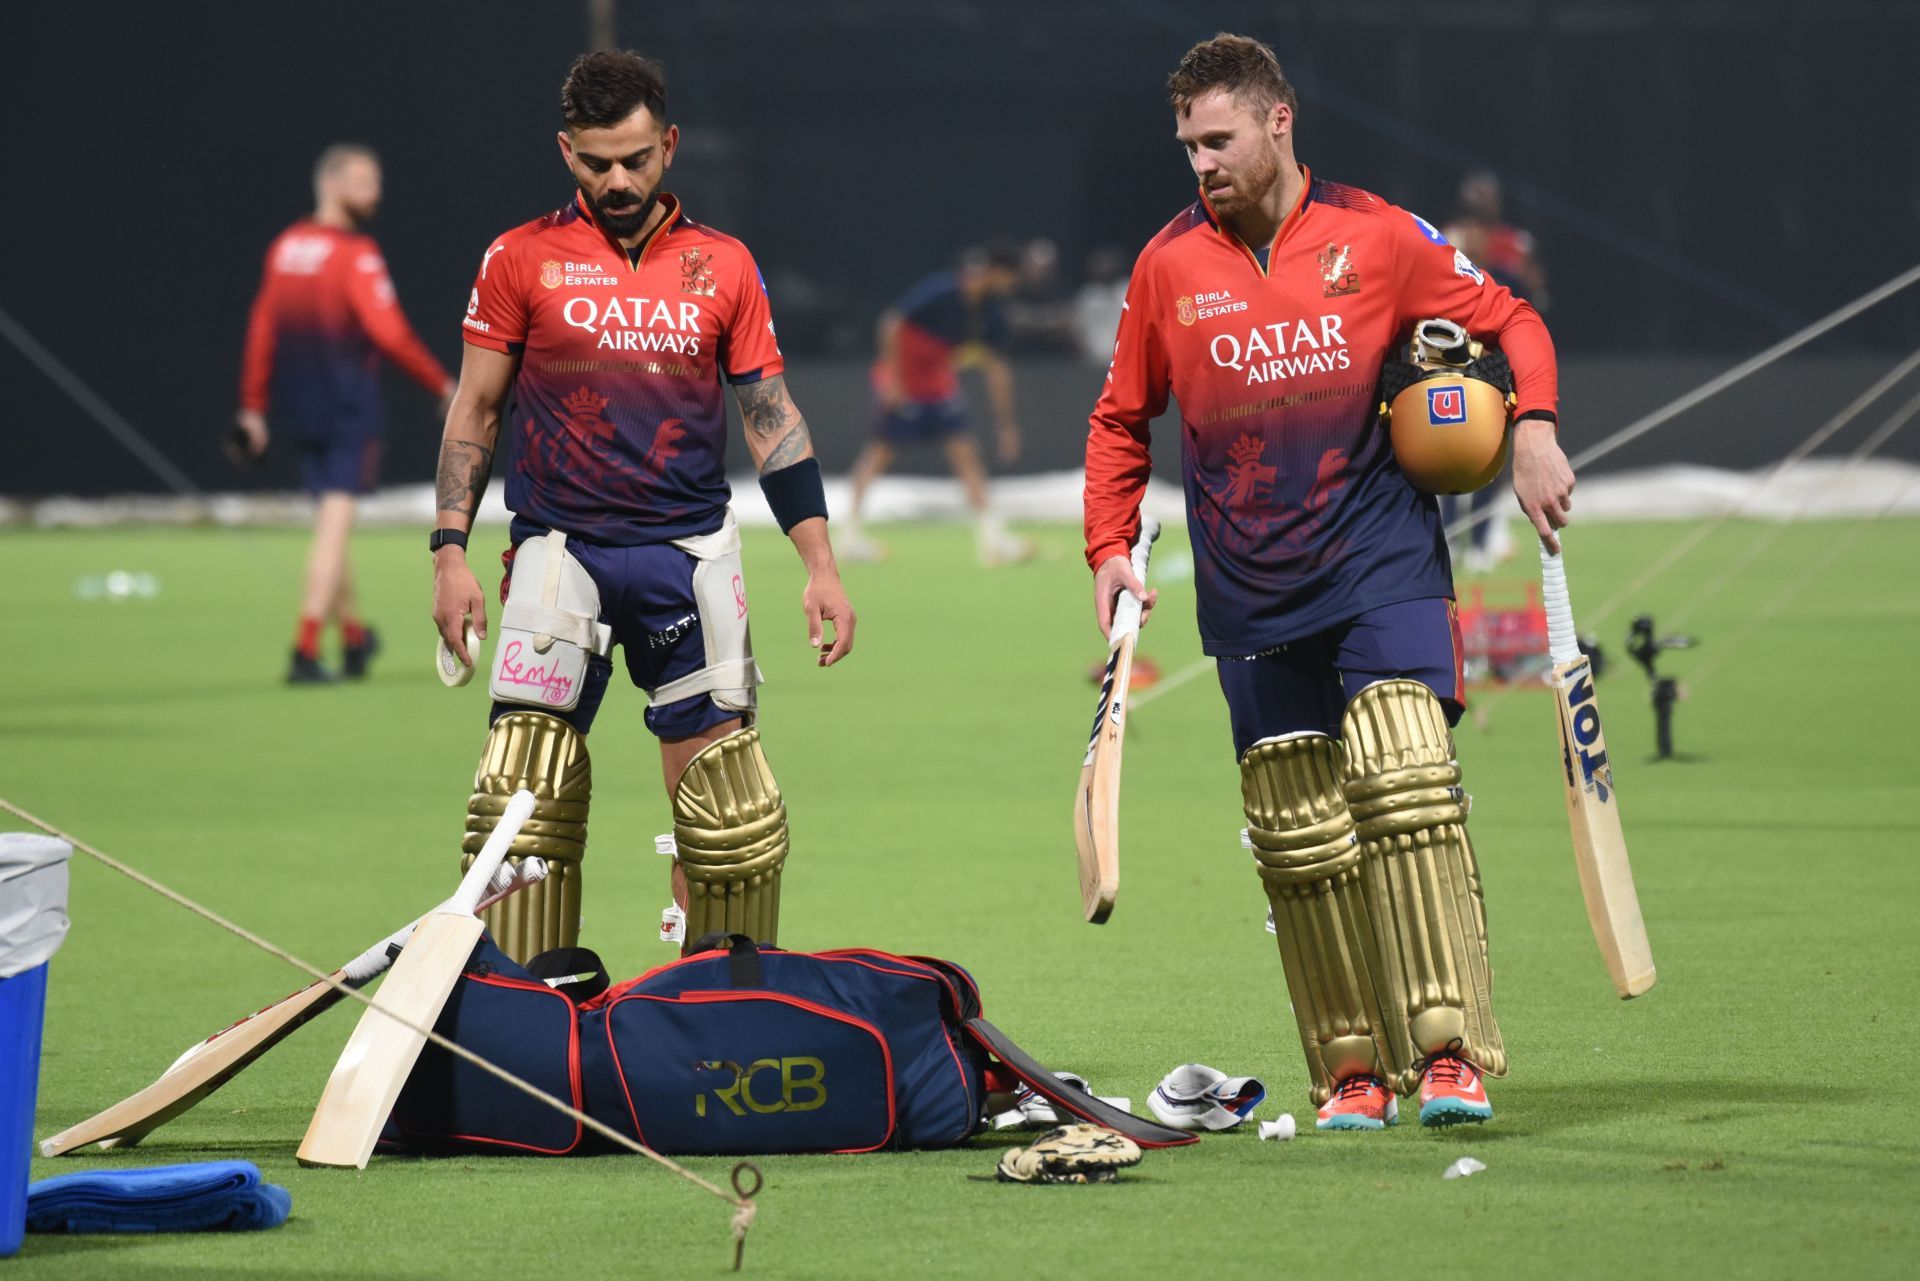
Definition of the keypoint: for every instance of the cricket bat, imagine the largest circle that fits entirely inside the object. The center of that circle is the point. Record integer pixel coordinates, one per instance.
(207, 1065)
(1593, 812)
(1096, 802)
(367, 1079)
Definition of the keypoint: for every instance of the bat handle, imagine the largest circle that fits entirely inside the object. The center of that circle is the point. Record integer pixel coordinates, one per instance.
(1563, 644)
(1126, 611)
(487, 861)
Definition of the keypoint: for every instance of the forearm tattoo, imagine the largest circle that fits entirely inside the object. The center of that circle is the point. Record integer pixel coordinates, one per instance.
(774, 421)
(463, 476)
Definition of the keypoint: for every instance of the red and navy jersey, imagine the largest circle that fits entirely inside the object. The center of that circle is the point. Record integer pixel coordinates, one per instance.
(324, 316)
(1299, 516)
(618, 430)
(937, 326)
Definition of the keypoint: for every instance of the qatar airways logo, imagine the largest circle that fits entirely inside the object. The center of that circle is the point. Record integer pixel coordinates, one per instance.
(1288, 349)
(636, 324)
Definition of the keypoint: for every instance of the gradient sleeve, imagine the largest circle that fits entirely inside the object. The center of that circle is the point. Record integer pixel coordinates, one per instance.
(370, 294)
(256, 359)
(1435, 279)
(749, 350)
(1119, 459)
(497, 308)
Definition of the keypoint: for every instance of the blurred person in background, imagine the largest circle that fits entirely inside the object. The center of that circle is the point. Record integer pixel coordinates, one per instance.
(1097, 306)
(1506, 253)
(325, 314)
(949, 321)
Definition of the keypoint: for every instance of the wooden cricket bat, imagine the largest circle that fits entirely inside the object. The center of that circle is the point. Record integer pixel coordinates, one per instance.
(367, 1079)
(207, 1065)
(1593, 812)
(1096, 802)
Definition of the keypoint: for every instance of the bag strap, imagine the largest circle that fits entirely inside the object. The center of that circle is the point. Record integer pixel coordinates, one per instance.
(1148, 1134)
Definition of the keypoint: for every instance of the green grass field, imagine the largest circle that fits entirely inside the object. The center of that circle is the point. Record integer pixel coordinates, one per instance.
(1755, 1115)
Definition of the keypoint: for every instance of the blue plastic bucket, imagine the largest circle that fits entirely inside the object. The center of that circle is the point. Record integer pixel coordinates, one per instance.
(23, 1006)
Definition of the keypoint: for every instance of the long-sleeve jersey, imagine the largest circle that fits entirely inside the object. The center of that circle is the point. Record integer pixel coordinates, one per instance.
(1299, 516)
(619, 431)
(325, 314)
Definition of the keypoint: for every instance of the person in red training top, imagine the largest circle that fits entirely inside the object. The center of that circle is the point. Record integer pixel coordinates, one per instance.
(324, 316)
(1268, 308)
(615, 323)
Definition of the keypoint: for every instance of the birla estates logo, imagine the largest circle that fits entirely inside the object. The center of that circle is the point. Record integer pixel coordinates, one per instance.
(1337, 272)
(1206, 305)
(550, 274)
(696, 273)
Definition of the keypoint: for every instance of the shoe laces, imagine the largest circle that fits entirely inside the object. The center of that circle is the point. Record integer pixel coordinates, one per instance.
(1355, 1087)
(1447, 1066)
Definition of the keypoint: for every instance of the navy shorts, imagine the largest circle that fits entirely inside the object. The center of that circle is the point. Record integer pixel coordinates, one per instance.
(1306, 684)
(344, 465)
(917, 423)
(646, 596)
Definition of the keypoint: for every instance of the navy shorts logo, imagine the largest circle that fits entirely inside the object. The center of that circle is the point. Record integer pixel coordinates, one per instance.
(1446, 406)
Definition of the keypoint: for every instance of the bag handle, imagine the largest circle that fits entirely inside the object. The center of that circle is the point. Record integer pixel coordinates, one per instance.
(743, 956)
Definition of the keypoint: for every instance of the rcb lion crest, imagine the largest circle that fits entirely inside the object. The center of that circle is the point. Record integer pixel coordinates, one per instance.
(1184, 312)
(696, 273)
(550, 274)
(1337, 270)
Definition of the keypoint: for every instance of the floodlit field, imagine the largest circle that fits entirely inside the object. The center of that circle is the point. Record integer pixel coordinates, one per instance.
(1755, 1115)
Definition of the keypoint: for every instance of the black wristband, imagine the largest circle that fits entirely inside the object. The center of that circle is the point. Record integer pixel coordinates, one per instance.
(446, 538)
(1544, 415)
(795, 493)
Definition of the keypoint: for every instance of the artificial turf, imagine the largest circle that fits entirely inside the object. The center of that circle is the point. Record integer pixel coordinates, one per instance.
(1756, 1114)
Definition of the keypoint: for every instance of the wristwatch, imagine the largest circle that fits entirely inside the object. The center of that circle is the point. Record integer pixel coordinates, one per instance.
(446, 538)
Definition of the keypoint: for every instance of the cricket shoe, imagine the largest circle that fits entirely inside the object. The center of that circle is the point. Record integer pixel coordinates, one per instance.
(1452, 1092)
(1005, 549)
(1359, 1103)
(308, 671)
(354, 658)
(857, 549)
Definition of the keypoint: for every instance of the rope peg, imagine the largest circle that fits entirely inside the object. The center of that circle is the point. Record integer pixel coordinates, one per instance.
(744, 1208)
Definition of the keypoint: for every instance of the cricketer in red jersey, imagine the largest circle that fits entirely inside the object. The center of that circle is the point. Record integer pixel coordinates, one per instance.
(1268, 309)
(613, 323)
(325, 314)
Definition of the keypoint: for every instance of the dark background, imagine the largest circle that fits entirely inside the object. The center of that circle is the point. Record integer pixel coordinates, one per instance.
(1703, 178)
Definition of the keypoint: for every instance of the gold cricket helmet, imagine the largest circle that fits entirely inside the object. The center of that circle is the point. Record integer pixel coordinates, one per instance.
(1446, 406)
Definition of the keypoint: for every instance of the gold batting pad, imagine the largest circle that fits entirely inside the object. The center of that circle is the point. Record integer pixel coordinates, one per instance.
(1303, 840)
(731, 827)
(548, 757)
(1422, 883)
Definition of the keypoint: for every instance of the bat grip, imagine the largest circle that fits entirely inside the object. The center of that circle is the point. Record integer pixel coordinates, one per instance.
(1126, 611)
(1563, 644)
(487, 861)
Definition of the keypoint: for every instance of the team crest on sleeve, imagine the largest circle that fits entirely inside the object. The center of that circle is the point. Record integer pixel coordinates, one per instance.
(1463, 266)
(1337, 272)
(696, 274)
(1447, 406)
(550, 274)
(1427, 229)
(1183, 310)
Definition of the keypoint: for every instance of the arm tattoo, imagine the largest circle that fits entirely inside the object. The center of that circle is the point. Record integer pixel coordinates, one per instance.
(463, 476)
(775, 422)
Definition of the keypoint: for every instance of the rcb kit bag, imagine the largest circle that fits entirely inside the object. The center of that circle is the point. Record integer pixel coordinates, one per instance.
(739, 1049)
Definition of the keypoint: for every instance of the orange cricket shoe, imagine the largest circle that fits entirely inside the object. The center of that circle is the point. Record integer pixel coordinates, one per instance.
(1452, 1092)
(1359, 1103)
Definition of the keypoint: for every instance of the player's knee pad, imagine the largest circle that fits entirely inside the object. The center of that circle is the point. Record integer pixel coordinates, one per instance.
(731, 828)
(1421, 881)
(1309, 860)
(547, 757)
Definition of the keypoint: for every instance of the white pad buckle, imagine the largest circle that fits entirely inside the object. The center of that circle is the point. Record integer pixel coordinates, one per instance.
(549, 627)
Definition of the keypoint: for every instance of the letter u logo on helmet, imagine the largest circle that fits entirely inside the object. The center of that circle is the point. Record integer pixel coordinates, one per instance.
(1446, 404)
